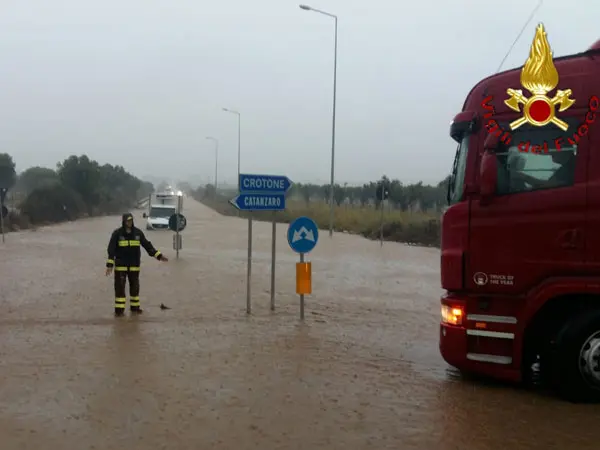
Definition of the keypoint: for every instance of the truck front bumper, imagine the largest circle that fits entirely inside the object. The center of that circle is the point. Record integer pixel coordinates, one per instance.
(455, 347)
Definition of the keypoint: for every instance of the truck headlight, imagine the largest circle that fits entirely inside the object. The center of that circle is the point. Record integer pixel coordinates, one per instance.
(452, 315)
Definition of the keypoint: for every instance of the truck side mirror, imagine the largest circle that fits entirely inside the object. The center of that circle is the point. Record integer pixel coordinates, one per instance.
(145, 216)
(488, 176)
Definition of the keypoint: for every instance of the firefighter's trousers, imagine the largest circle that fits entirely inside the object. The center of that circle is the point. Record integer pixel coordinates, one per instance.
(121, 276)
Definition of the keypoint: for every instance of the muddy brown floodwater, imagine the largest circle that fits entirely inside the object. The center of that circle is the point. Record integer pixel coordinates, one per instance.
(362, 372)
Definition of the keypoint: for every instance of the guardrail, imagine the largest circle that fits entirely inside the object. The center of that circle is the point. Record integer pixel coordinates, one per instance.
(143, 203)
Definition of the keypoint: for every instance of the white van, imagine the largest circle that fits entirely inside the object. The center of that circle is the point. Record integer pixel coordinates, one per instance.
(158, 217)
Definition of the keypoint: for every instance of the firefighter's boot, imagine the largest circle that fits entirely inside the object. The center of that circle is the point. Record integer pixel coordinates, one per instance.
(136, 310)
(119, 312)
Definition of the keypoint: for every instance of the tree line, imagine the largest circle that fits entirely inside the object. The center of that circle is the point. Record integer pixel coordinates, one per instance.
(400, 196)
(420, 229)
(78, 187)
(405, 197)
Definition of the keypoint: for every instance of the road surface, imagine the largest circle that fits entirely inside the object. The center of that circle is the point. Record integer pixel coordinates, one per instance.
(362, 372)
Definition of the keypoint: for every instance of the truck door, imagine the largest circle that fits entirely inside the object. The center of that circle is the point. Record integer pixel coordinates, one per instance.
(534, 227)
(592, 241)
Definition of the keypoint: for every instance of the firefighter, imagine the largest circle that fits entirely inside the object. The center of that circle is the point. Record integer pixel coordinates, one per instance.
(124, 256)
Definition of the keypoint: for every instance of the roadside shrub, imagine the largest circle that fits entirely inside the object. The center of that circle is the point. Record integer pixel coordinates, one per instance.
(426, 233)
(54, 203)
(16, 222)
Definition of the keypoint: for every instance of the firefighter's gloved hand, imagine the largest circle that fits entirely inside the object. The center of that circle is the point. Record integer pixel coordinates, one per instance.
(109, 271)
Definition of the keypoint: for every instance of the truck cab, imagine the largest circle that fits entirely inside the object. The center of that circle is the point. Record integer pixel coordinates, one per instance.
(520, 247)
(158, 217)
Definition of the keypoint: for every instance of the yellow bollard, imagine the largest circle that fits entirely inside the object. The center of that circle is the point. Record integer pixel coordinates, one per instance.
(303, 278)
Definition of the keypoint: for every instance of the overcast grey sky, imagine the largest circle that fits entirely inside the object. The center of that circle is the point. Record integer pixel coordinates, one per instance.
(142, 82)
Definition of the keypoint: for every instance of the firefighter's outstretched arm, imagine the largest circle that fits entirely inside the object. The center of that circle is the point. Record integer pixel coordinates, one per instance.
(150, 248)
(112, 249)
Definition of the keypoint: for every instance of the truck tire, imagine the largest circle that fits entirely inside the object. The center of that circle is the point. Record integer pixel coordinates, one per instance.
(575, 360)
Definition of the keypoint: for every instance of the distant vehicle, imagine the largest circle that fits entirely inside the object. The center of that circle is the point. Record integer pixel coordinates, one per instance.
(161, 206)
(169, 190)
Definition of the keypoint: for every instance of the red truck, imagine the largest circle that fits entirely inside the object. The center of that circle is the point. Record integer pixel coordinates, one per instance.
(520, 240)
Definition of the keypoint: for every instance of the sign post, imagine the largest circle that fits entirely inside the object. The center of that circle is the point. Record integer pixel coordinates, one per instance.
(273, 242)
(303, 235)
(179, 199)
(383, 194)
(261, 193)
(177, 223)
(3, 210)
(381, 222)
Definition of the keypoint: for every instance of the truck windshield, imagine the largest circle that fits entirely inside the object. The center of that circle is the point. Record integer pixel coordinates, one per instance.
(457, 179)
(159, 212)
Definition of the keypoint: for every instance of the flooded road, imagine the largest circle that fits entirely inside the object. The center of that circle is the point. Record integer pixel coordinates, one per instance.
(362, 372)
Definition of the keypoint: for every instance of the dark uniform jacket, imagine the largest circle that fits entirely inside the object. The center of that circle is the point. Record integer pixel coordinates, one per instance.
(124, 248)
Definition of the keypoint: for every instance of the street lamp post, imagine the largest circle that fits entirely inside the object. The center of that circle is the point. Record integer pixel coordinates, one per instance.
(239, 139)
(331, 196)
(216, 141)
(249, 274)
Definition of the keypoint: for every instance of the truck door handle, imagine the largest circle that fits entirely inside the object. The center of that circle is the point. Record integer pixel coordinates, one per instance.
(569, 239)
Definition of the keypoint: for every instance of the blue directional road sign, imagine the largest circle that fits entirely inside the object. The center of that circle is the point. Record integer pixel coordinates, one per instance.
(262, 192)
(274, 184)
(257, 201)
(303, 235)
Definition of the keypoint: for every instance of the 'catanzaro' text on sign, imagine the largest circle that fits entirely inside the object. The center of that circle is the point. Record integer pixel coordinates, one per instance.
(263, 202)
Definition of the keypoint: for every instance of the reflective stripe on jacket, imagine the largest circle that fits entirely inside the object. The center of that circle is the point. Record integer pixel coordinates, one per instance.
(124, 249)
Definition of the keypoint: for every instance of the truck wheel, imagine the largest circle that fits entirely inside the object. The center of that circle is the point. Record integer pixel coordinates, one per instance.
(575, 367)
